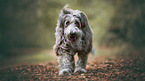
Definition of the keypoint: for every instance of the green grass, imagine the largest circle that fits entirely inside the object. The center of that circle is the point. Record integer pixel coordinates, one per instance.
(43, 56)
(38, 57)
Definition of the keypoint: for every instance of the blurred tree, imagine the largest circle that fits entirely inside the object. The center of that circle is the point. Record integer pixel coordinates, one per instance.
(128, 24)
(27, 23)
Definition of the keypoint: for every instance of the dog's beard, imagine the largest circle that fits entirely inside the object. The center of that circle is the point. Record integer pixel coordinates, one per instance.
(73, 38)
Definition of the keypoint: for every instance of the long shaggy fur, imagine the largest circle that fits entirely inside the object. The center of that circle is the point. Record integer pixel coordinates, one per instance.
(73, 35)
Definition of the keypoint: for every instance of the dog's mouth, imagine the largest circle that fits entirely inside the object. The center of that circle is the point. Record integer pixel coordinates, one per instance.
(72, 37)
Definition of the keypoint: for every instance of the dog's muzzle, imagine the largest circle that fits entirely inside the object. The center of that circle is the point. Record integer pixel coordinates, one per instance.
(73, 33)
(72, 37)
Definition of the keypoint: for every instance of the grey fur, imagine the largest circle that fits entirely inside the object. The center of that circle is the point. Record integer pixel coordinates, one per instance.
(73, 35)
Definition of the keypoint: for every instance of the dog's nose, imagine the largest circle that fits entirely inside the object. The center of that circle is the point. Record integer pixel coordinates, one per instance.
(72, 34)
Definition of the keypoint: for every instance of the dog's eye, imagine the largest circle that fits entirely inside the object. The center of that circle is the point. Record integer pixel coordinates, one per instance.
(77, 24)
(67, 23)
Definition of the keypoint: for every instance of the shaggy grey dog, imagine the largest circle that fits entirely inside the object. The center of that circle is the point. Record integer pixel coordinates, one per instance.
(73, 35)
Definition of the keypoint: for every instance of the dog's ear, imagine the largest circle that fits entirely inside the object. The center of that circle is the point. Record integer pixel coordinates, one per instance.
(62, 15)
(84, 20)
(65, 10)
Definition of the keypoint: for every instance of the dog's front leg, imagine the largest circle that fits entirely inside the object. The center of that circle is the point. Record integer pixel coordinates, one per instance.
(81, 63)
(66, 64)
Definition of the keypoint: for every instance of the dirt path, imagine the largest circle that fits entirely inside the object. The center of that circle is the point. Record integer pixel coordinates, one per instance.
(127, 69)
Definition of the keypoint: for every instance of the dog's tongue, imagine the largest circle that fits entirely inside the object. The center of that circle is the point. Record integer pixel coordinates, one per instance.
(72, 38)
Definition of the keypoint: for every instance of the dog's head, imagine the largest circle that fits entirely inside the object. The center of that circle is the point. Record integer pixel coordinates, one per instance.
(73, 24)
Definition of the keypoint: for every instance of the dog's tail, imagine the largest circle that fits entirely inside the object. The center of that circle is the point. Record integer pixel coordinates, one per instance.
(93, 51)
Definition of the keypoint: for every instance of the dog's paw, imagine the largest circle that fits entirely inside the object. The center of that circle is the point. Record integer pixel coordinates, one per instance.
(65, 72)
(80, 70)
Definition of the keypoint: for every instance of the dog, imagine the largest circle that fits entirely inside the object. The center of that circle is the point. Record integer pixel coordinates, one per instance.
(73, 35)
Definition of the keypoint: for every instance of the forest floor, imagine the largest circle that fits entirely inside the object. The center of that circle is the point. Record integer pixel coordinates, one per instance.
(103, 68)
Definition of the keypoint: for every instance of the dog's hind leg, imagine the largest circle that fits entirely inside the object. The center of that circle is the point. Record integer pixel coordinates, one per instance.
(66, 64)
